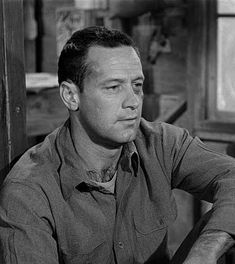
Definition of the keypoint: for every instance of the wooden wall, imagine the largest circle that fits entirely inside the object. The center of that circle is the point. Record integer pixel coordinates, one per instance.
(12, 84)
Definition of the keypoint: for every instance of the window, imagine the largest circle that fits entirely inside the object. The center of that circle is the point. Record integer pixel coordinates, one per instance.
(211, 68)
(223, 105)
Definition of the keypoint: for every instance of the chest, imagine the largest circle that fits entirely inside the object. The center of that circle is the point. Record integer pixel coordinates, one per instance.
(128, 227)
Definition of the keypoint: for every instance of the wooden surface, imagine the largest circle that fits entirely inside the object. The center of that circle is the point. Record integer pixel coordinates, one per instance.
(12, 84)
(196, 61)
(45, 110)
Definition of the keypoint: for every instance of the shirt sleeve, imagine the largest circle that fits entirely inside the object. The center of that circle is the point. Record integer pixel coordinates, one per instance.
(26, 232)
(207, 174)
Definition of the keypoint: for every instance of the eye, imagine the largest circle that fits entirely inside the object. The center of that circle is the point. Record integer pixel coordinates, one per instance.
(138, 87)
(113, 87)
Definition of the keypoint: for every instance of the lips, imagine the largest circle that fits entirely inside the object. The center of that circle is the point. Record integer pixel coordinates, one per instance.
(129, 118)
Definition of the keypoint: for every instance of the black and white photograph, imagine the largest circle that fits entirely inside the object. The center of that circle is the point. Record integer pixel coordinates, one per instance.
(117, 131)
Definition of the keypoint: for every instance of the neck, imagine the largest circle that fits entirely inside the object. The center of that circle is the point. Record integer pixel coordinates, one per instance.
(96, 158)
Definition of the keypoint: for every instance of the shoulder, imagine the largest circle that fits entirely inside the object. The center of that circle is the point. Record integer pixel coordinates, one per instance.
(160, 131)
(165, 140)
(36, 163)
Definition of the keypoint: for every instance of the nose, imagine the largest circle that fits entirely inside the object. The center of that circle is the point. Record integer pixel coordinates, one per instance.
(132, 100)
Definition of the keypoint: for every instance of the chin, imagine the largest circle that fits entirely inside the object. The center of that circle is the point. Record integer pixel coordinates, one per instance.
(120, 137)
(128, 137)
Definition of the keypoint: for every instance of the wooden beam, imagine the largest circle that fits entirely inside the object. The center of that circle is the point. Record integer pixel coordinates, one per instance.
(12, 84)
(175, 113)
(197, 59)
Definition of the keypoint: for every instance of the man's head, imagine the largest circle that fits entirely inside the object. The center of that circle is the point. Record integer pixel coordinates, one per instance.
(101, 83)
(72, 65)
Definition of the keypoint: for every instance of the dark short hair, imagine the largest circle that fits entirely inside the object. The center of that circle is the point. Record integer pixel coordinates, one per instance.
(72, 61)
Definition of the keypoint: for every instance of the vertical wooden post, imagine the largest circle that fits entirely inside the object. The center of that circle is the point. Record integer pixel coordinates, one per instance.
(197, 59)
(12, 84)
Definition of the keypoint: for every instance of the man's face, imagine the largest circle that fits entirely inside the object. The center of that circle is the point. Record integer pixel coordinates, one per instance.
(111, 101)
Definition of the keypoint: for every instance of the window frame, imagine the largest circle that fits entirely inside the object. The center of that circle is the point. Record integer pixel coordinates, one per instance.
(206, 122)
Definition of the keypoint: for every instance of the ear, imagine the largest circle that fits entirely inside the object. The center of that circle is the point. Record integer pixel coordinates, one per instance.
(69, 94)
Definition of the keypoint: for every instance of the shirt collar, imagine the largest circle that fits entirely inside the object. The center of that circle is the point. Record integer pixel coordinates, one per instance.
(72, 173)
(130, 158)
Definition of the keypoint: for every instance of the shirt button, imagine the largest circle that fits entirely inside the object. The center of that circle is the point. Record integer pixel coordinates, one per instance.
(120, 244)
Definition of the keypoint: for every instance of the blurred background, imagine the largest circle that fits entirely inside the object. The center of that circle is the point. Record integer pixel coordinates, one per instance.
(188, 57)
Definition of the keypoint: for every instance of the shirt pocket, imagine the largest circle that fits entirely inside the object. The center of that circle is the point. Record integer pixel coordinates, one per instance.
(149, 225)
(93, 252)
(150, 236)
(149, 220)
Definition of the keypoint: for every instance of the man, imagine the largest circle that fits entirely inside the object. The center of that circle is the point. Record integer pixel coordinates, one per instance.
(99, 188)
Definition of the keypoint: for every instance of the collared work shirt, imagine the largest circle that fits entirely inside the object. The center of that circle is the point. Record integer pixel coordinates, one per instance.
(51, 213)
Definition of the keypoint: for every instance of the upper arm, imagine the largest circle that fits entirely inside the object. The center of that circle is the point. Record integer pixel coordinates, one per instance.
(26, 226)
(204, 172)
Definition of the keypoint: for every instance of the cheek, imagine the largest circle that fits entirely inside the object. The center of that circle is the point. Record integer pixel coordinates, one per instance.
(102, 115)
(101, 111)
(107, 110)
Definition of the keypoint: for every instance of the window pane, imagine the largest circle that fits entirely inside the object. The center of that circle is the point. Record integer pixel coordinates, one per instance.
(226, 65)
(226, 6)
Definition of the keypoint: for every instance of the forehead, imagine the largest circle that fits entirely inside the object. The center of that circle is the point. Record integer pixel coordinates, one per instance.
(103, 60)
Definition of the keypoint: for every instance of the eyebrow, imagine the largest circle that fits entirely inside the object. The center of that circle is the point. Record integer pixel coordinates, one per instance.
(121, 80)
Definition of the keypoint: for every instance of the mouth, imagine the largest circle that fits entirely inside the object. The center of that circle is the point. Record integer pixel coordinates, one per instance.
(129, 120)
